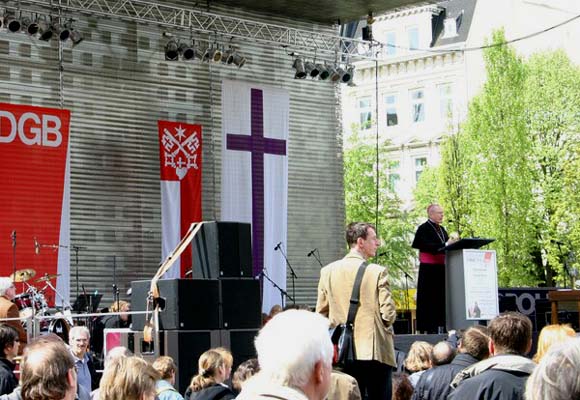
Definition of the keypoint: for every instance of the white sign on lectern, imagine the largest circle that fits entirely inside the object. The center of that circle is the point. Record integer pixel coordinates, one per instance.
(480, 278)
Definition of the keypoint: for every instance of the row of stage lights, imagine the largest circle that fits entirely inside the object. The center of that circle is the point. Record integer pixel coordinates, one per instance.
(322, 71)
(45, 28)
(176, 49)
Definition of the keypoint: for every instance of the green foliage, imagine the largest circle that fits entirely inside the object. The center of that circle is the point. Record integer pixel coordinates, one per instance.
(511, 173)
(360, 191)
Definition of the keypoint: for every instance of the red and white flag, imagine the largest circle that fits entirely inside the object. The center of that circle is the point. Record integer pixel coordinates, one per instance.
(180, 157)
(35, 193)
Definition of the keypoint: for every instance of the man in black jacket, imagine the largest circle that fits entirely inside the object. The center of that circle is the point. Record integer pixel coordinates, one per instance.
(502, 376)
(9, 344)
(434, 383)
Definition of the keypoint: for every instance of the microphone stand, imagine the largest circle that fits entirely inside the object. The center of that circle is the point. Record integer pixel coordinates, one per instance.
(292, 274)
(76, 250)
(13, 236)
(283, 293)
(316, 256)
(407, 277)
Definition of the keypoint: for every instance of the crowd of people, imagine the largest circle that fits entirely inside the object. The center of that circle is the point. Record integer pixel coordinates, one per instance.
(295, 356)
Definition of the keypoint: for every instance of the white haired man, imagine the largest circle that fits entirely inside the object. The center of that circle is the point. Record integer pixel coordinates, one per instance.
(9, 310)
(79, 337)
(295, 357)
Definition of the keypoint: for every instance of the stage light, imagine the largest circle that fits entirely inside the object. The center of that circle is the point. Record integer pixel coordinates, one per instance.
(324, 73)
(172, 50)
(31, 27)
(11, 22)
(238, 60)
(334, 74)
(207, 54)
(76, 37)
(187, 51)
(47, 29)
(348, 75)
(228, 56)
(311, 69)
(216, 55)
(299, 67)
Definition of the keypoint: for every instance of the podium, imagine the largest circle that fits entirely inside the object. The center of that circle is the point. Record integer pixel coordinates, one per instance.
(455, 305)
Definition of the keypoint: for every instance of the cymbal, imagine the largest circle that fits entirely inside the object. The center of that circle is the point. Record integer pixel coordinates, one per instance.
(47, 277)
(22, 275)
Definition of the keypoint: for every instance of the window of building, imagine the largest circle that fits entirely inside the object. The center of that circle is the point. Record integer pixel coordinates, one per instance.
(391, 41)
(417, 105)
(391, 110)
(420, 164)
(394, 175)
(413, 34)
(446, 101)
(365, 113)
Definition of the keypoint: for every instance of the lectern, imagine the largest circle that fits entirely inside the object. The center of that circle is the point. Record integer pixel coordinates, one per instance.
(455, 299)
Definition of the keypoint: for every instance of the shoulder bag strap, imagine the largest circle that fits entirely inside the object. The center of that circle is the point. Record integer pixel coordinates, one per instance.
(355, 296)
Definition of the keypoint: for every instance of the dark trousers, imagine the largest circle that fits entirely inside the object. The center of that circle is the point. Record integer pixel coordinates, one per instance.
(373, 377)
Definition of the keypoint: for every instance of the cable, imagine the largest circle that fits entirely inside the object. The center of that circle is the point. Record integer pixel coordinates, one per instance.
(487, 46)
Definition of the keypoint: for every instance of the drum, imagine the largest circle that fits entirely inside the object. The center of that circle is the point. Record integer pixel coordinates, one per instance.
(24, 303)
(60, 328)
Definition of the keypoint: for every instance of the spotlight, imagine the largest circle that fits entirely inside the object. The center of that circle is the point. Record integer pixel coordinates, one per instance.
(76, 37)
(311, 69)
(207, 54)
(11, 22)
(172, 50)
(187, 51)
(47, 30)
(228, 56)
(324, 73)
(299, 67)
(216, 55)
(348, 75)
(238, 60)
(64, 34)
(334, 74)
(30, 26)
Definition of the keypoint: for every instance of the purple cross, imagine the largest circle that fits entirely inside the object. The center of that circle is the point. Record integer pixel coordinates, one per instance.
(258, 145)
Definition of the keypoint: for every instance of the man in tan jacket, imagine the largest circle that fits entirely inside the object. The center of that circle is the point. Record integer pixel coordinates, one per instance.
(373, 332)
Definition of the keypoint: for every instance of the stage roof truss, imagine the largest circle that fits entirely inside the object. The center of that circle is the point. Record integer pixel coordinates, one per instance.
(301, 42)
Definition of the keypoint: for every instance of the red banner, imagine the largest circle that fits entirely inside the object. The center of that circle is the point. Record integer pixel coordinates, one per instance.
(180, 158)
(33, 195)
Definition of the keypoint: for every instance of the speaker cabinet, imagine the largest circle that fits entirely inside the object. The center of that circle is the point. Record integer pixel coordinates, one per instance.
(190, 304)
(241, 303)
(222, 249)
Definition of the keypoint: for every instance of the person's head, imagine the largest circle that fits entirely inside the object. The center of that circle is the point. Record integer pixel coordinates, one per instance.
(475, 342)
(212, 368)
(115, 353)
(442, 353)
(121, 306)
(128, 378)
(550, 335)
(244, 371)
(362, 237)
(556, 376)
(48, 370)
(78, 340)
(294, 349)
(510, 332)
(435, 213)
(228, 360)
(276, 308)
(7, 288)
(402, 387)
(9, 342)
(419, 356)
(166, 368)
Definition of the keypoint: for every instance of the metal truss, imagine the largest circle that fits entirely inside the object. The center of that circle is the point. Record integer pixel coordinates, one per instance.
(327, 45)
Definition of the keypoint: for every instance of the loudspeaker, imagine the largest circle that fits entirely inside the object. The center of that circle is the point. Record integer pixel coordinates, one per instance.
(241, 303)
(222, 249)
(190, 304)
(403, 323)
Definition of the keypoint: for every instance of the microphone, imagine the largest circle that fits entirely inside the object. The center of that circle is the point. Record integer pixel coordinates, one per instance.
(278, 246)
(311, 252)
(189, 272)
(36, 246)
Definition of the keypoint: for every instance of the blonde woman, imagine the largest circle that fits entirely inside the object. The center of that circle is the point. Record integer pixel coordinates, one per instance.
(130, 378)
(418, 360)
(214, 368)
(550, 335)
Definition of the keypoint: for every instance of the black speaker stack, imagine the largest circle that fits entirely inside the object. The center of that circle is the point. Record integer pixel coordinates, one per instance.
(219, 306)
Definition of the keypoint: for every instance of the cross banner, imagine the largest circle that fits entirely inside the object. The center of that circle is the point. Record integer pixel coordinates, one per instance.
(255, 173)
(180, 157)
(35, 194)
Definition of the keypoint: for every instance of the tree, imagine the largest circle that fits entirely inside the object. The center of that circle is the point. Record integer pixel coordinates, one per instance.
(360, 187)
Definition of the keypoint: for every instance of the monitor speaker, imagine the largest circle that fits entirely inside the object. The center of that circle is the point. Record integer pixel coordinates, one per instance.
(190, 304)
(241, 303)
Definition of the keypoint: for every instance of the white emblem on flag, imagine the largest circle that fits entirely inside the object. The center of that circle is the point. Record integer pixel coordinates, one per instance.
(180, 150)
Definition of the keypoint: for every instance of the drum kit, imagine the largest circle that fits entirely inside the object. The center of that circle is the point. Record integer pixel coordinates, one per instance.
(32, 302)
